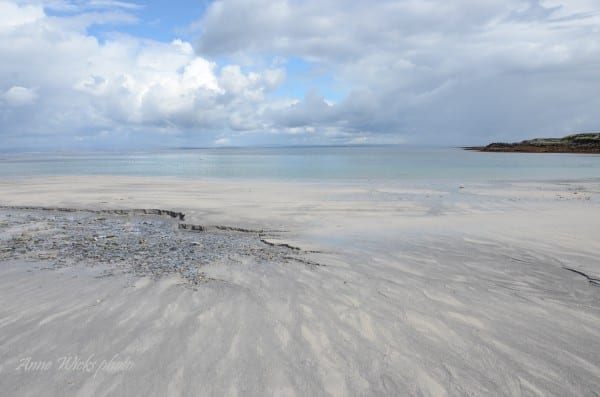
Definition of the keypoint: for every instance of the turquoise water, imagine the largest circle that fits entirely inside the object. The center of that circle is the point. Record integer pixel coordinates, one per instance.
(309, 163)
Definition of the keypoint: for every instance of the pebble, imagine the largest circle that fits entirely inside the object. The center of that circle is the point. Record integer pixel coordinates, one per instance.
(145, 245)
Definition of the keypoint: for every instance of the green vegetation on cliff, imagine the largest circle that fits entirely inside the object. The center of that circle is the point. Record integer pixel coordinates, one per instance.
(576, 143)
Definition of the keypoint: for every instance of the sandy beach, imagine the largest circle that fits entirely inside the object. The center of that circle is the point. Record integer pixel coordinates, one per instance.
(347, 288)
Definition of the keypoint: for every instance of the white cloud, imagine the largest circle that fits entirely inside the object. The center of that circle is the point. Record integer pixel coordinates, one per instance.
(14, 16)
(456, 71)
(222, 141)
(113, 4)
(20, 96)
(461, 71)
(87, 89)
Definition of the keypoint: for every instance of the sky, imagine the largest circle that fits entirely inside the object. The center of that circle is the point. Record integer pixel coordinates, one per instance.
(107, 74)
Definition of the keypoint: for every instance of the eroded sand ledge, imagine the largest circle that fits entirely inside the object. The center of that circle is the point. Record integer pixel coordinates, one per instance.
(427, 290)
(138, 241)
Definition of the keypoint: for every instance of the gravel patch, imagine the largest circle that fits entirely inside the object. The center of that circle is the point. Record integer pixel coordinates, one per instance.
(142, 242)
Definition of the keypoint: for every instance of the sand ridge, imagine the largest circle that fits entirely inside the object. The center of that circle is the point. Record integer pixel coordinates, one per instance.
(463, 294)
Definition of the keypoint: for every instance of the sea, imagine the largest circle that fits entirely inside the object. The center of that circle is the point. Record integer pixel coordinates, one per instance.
(322, 163)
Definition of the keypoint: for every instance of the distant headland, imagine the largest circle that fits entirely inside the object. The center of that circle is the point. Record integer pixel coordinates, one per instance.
(576, 143)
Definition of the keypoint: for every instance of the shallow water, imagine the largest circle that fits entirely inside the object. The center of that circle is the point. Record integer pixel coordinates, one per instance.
(309, 163)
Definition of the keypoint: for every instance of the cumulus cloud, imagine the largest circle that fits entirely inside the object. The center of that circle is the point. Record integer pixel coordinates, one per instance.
(452, 72)
(125, 90)
(19, 96)
(456, 71)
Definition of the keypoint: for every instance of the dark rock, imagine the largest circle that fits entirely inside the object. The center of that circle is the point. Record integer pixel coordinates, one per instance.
(577, 143)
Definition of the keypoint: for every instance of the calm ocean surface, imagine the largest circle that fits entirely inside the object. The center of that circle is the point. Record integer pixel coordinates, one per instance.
(309, 163)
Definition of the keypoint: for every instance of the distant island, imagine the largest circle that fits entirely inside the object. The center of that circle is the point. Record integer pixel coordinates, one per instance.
(576, 143)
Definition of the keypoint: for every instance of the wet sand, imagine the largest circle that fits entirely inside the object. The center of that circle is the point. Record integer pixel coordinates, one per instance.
(424, 289)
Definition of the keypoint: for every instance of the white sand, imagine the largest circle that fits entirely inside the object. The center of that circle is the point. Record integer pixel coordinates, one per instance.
(428, 290)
